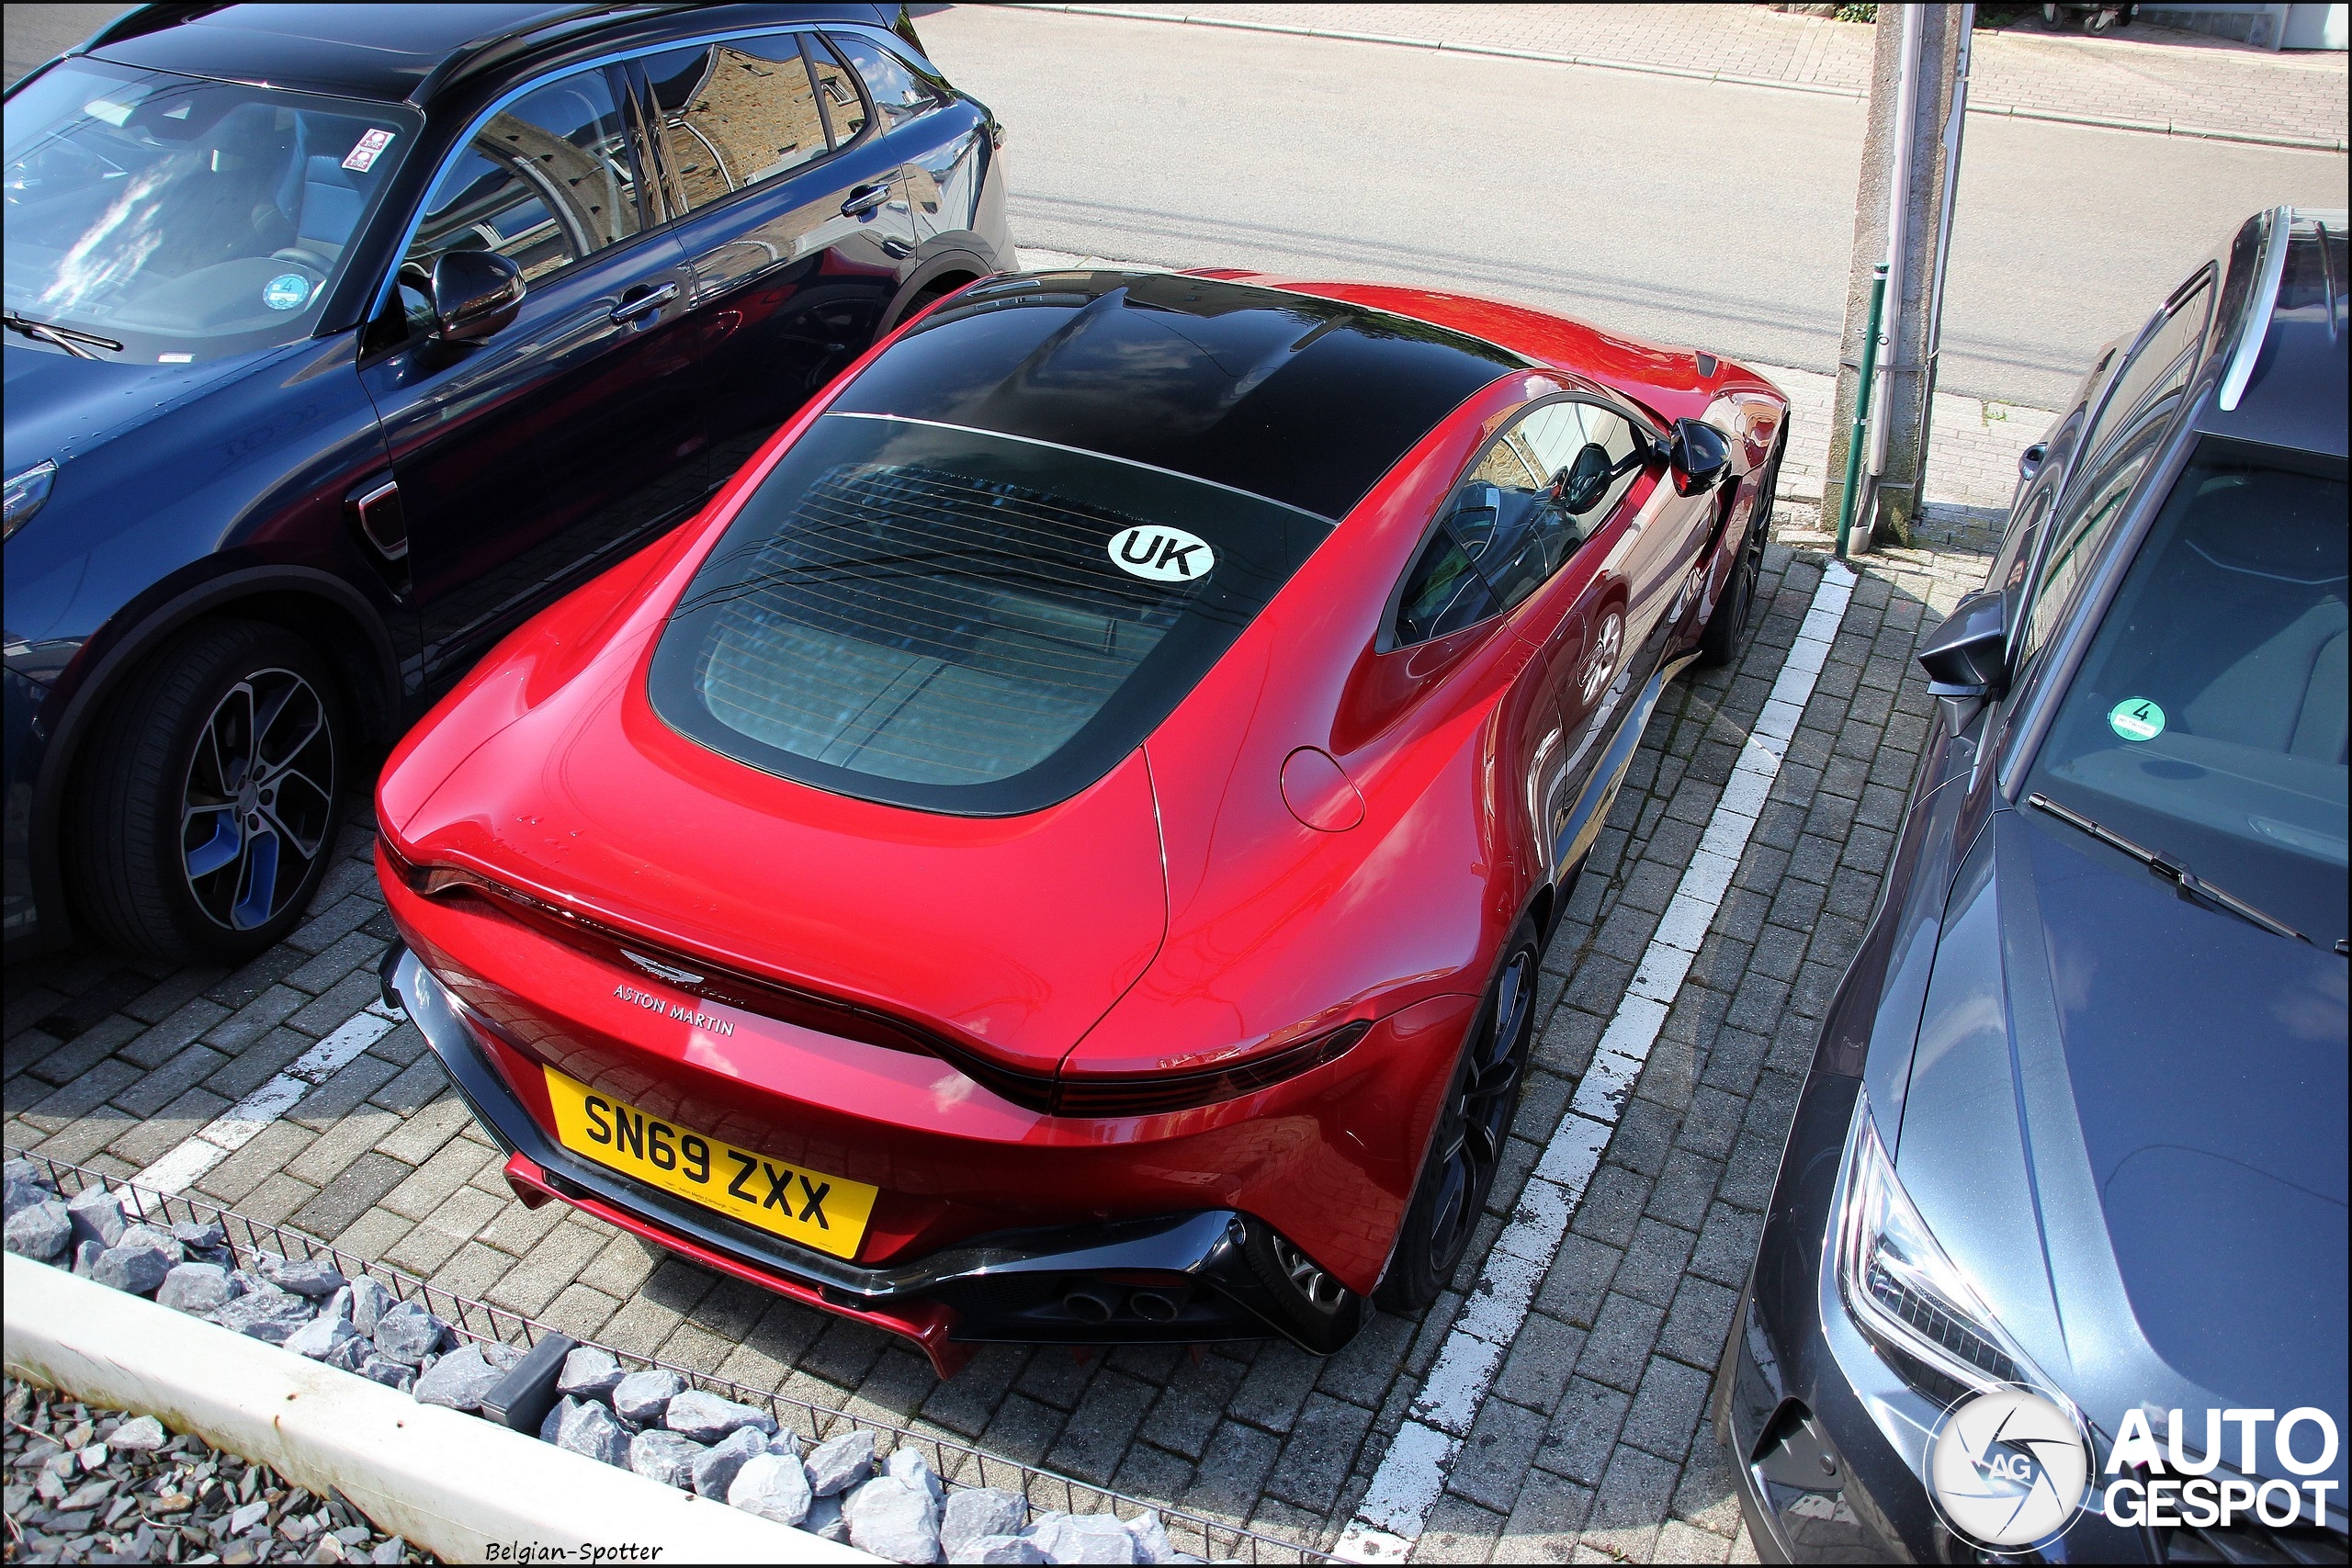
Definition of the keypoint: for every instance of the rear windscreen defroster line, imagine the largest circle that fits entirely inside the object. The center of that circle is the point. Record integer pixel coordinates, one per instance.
(961, 621)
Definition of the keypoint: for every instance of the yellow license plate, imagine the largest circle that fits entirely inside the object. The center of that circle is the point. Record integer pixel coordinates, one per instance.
(826, 1213)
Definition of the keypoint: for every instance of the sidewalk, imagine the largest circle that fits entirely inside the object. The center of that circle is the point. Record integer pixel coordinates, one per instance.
(2142, 78)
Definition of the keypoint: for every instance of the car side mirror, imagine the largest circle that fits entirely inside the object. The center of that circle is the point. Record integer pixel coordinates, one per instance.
(2029, 461)
(1967, 658)
(1698, 455)
(475, 294)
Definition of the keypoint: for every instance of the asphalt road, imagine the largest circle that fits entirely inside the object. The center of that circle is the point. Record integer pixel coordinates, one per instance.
(1686, 211)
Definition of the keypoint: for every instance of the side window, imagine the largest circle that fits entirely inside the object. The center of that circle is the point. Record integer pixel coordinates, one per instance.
(734, 114)
(2081, 530)
(2162, 364)
(1444, 593)
(547, 181)
(1590, 456)
(897, 96)
(845, 106)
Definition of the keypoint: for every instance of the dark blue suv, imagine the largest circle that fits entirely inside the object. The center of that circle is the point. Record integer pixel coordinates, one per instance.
(2077, 1121)
(342, 337)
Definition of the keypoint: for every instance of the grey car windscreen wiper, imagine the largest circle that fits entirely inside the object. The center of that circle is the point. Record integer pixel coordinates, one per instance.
(2191, 886)
(72, 339)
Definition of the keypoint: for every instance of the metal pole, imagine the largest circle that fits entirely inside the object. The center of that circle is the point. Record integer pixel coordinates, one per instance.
(1953, 128)
(1861, 409)
(1898, 221)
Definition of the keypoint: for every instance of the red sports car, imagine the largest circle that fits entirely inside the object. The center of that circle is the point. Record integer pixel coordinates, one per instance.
(1059, 849)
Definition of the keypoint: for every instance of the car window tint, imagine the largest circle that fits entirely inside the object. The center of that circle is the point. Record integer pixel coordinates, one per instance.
(897, 94)
(734, 114)
(2162, 364)
(547, 181)
(1444, 593)
(1589, 455)
(845, 106)
(2084, 525)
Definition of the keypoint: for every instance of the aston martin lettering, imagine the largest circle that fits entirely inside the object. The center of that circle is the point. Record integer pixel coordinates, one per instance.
(678, 1010)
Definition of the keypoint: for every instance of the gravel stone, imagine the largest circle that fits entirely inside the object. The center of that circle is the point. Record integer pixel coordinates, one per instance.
(715, 1467)
(1152, 1544)
(353, 1353)
(138, 1269)
(272, 1316)
(27, 1184)
(390, 1373)
(195, 1287)
(641, 1398)
(459, 1380)
(1082, 1537)
(665, 1456)
(825, 1521)
(141, 1434)
(338, 1306)
(200, 1235)
(979, 1511)
(589, 1373)
(774, 1487)
(999, 1548)
(839, 1463)
(583, 1428)
(893, 1518)
(370, 1301)
(322, 1338)
(304, 1276)
(406, 1332)
(85, 1257)
(97, 1216)
(39, 1229)
(910, 1466)
(707, 1418)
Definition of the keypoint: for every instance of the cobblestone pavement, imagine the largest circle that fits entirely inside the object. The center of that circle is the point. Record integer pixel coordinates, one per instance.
(2146, 77)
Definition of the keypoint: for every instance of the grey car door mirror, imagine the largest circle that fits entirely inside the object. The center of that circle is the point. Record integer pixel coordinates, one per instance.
(475, 293)
(2029, 461)
(1967, 658)
(1698, 455)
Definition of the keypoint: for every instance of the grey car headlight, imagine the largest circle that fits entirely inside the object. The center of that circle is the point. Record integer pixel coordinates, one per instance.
(25, 494)
(1908, 1299)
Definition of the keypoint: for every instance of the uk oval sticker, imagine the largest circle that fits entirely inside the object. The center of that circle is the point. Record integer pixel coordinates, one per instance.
(1161, 555)
(2136, 719)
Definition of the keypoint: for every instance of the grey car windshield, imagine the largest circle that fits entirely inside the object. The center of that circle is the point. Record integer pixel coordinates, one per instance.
(2208, 719)
(963, 621)
(184, 219)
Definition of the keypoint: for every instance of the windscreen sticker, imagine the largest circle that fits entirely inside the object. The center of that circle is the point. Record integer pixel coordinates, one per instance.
(2136, 719)
(286, 292)
(1161, 555)
(367, 150)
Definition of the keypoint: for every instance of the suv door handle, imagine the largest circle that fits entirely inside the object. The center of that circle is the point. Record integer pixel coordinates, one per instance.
(632, 306)
(864, 199)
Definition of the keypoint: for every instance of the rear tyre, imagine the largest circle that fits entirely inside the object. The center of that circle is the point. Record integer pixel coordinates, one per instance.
(1481, 1098)
(1735, 612)
(210, 800)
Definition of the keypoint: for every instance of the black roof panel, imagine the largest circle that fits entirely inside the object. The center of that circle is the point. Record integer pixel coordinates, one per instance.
(2297, 394)
(1301, 400)
(360, 51)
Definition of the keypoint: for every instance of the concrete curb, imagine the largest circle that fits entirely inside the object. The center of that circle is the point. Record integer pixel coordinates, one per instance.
(1642, 68)
(462, 1488)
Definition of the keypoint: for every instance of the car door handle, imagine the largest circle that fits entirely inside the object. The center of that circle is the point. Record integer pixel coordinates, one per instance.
(644, 304)
(864, 199)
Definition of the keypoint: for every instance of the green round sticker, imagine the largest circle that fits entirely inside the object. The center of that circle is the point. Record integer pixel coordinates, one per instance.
(2136, 719)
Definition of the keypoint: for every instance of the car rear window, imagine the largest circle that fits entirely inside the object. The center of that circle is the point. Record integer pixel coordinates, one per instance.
(963, 621)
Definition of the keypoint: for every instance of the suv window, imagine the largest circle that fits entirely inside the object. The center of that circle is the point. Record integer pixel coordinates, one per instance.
(2162, 364)
(547, 181)
(734, 114)
(894, 88)
(1541, 488)
(2090, 515)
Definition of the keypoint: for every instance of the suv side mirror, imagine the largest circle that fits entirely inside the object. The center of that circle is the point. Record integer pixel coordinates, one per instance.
(475, 293)
(2029, 461)
(1698, 455)
(1967, 658)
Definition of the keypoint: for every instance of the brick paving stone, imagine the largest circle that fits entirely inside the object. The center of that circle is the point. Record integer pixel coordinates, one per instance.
(144, 1139)
(353, 1190)
(1100, 1428)
(1495, 1456)
(1322, 1448)
(1544, 1523)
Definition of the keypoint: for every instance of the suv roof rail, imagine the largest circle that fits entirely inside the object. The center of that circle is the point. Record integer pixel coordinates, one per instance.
(2253, 325)
(496, 49)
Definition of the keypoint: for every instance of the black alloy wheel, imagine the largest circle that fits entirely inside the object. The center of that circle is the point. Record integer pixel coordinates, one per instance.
(214, 789)
(1735, 612)
(1467, 1146)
